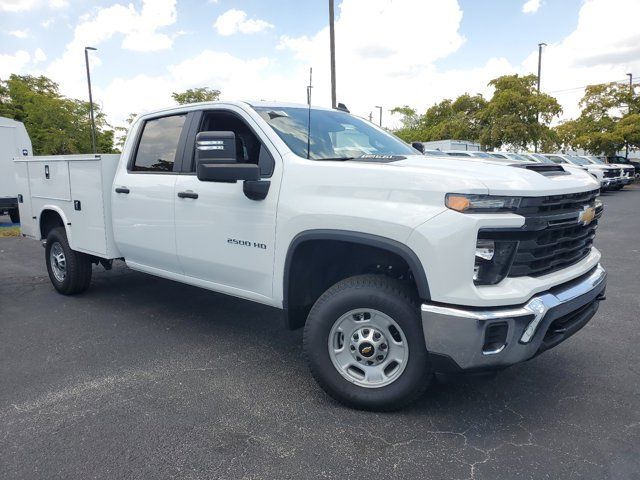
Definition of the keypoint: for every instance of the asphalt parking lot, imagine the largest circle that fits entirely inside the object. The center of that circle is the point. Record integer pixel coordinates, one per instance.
(146, 378)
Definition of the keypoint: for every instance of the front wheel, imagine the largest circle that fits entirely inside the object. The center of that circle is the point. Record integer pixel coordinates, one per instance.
(69, 271)
(365, 346)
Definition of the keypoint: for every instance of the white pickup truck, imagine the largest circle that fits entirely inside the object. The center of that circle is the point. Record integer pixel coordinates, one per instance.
(397, 265)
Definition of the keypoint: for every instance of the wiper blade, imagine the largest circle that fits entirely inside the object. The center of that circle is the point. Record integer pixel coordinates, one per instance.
(334, 159)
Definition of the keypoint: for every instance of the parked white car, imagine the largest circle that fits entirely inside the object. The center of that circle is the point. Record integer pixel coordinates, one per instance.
(611, 177)
(628, 171)
(397, 265)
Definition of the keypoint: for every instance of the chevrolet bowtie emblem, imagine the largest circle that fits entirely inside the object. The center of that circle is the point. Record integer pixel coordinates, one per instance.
(366, 350)
(587, 215)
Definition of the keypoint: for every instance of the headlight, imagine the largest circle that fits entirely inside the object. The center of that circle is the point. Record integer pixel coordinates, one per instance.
(461, 202)
(493, 261)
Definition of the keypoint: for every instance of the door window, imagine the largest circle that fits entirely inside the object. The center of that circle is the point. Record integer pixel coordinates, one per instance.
(159, 144)
(249, 148)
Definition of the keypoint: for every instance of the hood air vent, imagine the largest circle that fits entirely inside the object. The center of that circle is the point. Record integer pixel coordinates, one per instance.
(545, 169)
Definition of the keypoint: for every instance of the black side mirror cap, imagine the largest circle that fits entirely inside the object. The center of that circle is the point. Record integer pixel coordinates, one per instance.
(216, 147)
(418, 146)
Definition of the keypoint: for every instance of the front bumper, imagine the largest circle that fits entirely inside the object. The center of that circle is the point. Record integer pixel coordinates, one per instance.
(463, 338)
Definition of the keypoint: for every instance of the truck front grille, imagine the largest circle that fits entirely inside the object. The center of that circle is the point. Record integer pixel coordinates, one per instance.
(612, 173)
(554, 235)
(556, 203)
(553, 249)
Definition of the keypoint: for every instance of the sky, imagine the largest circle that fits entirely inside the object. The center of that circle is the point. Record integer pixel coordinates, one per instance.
(389, 52)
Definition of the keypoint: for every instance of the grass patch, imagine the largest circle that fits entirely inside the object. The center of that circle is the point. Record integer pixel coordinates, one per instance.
(9, 232)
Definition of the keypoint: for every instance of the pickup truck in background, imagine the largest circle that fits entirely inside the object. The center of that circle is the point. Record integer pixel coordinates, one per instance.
(397, 265)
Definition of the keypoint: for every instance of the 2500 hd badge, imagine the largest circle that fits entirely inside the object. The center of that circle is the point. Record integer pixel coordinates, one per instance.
(246, 243)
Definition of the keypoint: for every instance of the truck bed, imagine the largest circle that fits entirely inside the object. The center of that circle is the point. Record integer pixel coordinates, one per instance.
(78, 188)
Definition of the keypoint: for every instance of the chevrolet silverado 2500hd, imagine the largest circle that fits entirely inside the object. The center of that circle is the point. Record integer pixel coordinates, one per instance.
(397, 265)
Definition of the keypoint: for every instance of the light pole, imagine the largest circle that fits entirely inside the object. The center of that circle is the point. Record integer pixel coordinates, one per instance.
(93, 120)
(380, 108)
(332, 47)
(630, 75)
(540, 45)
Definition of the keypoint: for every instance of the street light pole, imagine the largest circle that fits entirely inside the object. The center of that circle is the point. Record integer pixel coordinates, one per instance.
(630, 75)
(540, 45)
(332, 46)
(93, 121)
(380, 108)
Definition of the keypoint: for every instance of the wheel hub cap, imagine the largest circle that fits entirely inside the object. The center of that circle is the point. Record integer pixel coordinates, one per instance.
(58, 262)
(368, 348)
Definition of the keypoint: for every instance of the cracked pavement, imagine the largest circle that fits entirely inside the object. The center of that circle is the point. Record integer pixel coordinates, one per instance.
(145, 378)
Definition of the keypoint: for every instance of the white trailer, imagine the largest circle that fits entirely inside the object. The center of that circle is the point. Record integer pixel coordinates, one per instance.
(14, 142)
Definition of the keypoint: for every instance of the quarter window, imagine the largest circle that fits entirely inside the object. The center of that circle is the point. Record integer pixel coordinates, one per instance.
(159, 144)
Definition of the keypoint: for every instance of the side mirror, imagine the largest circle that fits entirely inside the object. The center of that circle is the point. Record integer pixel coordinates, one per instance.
(216, 159)
(418, 146)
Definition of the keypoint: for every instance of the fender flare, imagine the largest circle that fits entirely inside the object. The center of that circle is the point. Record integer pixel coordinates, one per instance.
(65, 221)
(384, 243)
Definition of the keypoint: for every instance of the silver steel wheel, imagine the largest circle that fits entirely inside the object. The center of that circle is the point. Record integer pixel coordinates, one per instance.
(368, 348)
(58, 262)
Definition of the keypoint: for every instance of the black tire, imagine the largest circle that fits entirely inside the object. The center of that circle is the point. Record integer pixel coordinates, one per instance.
(77, 277)
(14, 215)
(385, 295)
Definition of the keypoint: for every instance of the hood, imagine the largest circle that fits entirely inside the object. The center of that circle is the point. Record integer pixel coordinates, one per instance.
(502, 177)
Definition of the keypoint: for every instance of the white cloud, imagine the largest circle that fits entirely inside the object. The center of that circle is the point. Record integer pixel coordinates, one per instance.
(24, 33)
(590, 54)
(531, 6)
(39, 56)
(17, 5)
(13, 63)
(138, 28)
(386, 52)
(234, 21)
(27, 5)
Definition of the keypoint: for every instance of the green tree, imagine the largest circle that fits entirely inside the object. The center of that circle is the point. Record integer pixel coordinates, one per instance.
(57, 125)
(517, 114)
(194, 95)
(121, 132)
(609, 120)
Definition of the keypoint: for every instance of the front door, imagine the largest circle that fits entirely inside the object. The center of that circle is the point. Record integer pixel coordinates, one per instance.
(225, 241)
(142, 200)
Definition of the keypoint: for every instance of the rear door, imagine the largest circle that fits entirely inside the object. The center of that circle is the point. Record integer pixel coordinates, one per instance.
(142, 200)
(226, 241)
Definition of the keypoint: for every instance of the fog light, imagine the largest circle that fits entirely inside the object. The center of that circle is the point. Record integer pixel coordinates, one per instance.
(492, 261)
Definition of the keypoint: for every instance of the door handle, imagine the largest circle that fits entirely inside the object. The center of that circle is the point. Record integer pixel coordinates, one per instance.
(188, 195)
(122, 190)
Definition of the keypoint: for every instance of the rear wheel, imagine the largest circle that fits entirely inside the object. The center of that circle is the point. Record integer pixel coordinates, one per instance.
(14, 215)
(69, 271)
(365, 346)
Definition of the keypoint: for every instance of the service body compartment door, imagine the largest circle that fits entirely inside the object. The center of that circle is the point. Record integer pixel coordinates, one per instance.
(87, 213)
(50, 179)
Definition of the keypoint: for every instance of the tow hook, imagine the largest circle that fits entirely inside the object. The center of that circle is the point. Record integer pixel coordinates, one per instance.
(44, 244)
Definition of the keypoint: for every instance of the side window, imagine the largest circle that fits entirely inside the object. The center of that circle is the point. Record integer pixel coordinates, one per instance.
(158, 144)
(249, 148)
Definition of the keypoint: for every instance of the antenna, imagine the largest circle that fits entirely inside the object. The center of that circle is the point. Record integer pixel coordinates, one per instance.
(309, 87)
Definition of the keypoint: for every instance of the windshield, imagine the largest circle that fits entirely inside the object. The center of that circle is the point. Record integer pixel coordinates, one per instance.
(541, 158)
(595, 160)
(481, 155)
(517, 157)
(334, 134)
(579, 161)
(498, 155)
(458, 154)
